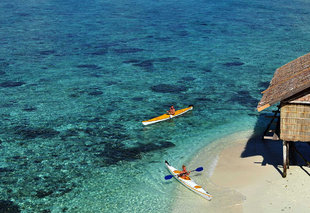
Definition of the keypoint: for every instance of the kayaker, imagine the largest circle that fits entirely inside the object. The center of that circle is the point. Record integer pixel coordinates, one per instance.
(171, 111)
(184, 172)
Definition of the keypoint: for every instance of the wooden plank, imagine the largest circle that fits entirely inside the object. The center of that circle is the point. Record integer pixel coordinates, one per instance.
(274, 137)
(263, 107)
(268, 137)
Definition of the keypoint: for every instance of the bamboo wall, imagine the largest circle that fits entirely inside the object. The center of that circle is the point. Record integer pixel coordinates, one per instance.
(295, 122)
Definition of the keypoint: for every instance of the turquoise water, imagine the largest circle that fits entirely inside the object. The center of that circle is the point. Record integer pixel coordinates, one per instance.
(78, 77)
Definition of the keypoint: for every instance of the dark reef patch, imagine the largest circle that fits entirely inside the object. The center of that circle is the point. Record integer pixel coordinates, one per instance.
(203, 99)
(95, 93)
(29, 109)
(12, 84)
(233, 64)
(64, 190)
(110, 83)
(245, 99)
(166, 59)
(89, 66)
(95, 120)
(188, 78)
(23, 14)
(137, 99)
(164, 39)
(35, 132)
(54, 187)
(113, 153)
(147, 64)
(5, 170)
(74, 95)
(7, 206)
(130, 61)
(168, 88)
(207, 70)
(43, 193)
(127, 50)
(47, 52)
(4, 64)
(100, 52)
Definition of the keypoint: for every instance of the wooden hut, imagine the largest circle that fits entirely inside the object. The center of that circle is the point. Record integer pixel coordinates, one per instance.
(290, 86)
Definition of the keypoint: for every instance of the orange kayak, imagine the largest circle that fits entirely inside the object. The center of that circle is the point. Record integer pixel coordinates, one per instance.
(167, 116)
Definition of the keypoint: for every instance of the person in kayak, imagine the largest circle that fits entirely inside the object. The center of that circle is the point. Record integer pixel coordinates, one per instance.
(184, 172)
(171, 111)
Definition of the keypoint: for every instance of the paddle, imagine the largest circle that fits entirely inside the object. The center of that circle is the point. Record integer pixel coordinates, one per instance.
(199, 169)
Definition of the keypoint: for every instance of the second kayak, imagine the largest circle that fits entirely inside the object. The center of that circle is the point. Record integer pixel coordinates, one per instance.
(167, 116)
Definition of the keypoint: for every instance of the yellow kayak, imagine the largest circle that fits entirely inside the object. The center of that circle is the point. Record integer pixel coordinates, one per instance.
(167, 116)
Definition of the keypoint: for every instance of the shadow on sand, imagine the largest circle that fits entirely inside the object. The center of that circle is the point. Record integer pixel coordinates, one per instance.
(271, 150)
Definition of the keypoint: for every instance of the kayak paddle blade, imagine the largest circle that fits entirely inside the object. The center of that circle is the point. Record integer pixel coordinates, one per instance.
(199, 169)
(167, 177)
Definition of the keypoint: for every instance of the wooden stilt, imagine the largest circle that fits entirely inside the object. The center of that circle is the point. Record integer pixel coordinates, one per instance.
(284, 158)
(288, 154)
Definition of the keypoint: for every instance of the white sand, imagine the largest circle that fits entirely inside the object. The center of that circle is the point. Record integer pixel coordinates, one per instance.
(251, 183)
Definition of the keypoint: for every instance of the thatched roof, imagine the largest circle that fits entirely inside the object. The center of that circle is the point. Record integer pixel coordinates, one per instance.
(303, 99)
(289, 81)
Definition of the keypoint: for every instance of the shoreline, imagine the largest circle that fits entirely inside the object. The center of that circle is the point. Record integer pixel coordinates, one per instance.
(243, 174)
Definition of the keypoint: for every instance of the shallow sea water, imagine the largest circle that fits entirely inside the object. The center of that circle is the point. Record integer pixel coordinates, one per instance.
(78, 77)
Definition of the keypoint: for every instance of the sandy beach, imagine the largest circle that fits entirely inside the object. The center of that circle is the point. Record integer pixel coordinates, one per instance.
(244, 174)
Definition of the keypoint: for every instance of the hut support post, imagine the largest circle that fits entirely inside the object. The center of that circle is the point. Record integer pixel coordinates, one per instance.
(288, 154)
(285, 158)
